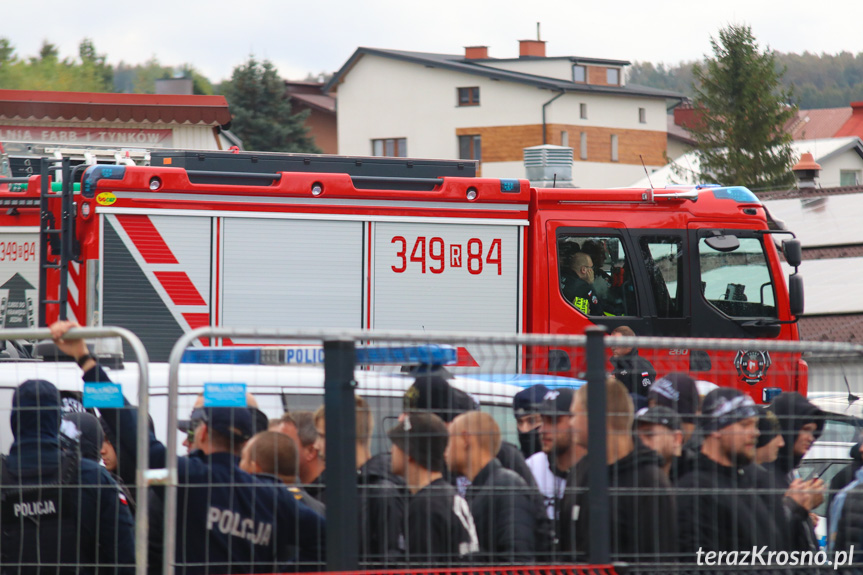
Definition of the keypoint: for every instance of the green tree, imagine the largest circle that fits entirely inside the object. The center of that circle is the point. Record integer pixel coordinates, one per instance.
(740, 138)
(94, 66)
(262, 112)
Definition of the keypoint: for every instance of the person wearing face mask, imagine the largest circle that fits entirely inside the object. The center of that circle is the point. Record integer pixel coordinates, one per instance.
(526, 407)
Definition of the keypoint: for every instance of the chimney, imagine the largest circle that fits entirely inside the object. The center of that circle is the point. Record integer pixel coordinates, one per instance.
(806, 171)
(475, 52)
(531, 48)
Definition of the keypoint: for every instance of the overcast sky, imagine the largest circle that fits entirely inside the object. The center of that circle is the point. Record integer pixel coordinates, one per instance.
(312, 36)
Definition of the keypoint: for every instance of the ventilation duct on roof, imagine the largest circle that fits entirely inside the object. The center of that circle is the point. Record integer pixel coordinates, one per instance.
(548, 166)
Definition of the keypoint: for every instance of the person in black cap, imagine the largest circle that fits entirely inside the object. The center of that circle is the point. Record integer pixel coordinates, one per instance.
(630, 368)
(525, 406)
(440, 527)
(659, 429)
(433, 393)
(60, 513)
(679, 392)
(719, 507)
(227, 520)
(559, 451)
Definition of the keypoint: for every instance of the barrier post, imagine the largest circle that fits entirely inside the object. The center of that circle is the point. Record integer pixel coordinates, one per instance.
(597, 479)
(341, 471)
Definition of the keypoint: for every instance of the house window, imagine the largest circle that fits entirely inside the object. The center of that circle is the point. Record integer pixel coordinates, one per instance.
(470, 148)
(579, 74)
(612, 76)
(582, 111)
(642, 116)
(614, 156)
(564, 138)
(583, 154)
(849, 177)
(394, 147)
(468, 96)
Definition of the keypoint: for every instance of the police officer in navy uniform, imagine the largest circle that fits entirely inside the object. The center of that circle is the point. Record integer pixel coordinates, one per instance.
(228, 521)
(577, 287)
(59, 513)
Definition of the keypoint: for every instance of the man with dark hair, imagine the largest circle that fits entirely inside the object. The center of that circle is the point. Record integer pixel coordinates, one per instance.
(719, 507)
(60, 513)
(312, 463)
(440, 527)
(631, 369)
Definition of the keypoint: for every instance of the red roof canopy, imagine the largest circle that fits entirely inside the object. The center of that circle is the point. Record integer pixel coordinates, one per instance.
(97, 107)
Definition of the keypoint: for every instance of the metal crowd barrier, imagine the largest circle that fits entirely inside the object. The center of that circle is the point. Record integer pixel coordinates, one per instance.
(141, 357)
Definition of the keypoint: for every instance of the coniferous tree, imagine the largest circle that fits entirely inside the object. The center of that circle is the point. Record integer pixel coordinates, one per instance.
(262, 112)
(742, 112)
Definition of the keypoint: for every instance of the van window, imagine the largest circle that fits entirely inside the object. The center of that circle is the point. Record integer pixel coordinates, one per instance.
(609, 290)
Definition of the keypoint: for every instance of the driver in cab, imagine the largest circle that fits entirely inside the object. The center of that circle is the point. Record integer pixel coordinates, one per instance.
(577, 285)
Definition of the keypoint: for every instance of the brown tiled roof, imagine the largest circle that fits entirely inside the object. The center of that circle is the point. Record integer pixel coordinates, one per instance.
(87, 106)
(818, 123)
(320, 101)
(846, 251)
(843, 328)
(679, 132)
(808, 193)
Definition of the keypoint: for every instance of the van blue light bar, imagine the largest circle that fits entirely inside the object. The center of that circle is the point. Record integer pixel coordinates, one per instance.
(314, 355)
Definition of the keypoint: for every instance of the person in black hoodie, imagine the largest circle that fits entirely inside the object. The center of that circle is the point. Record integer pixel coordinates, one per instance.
(801, 424)
(643, 524)
(381, 496)
(719, 508)
(504, 508)
(439, 527)
(60, 514)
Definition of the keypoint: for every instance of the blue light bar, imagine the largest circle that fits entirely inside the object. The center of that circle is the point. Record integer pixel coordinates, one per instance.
(409, 355)
(434, 355)
(739, 194)
(223, 355)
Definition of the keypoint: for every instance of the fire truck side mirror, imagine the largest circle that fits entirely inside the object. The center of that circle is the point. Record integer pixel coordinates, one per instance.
(793, 252)
(795, 293)
(722, 243)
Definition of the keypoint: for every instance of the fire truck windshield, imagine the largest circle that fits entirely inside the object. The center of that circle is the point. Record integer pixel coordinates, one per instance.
(738, 282)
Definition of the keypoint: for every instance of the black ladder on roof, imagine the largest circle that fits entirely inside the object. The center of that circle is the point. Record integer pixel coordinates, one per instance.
(61, 239)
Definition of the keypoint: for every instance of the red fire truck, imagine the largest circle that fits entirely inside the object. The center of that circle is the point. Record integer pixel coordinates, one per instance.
(302, 241)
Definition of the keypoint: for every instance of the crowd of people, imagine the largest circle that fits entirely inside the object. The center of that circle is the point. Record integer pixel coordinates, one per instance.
(685, 475)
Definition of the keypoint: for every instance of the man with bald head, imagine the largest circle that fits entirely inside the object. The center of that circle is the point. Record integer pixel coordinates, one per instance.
(577, 286)
(501, 502)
